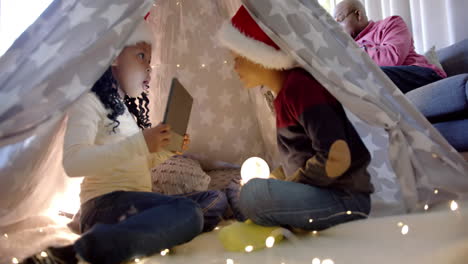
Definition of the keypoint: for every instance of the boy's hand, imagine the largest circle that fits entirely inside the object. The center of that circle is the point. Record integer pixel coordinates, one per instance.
(157, 137)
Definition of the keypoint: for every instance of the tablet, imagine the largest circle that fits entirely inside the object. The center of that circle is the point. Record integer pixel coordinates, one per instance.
(177, 114)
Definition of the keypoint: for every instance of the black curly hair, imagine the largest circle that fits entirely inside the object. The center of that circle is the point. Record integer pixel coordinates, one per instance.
(106, 90)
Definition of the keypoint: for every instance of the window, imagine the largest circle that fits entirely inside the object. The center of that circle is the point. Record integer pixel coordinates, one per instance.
(16, 16)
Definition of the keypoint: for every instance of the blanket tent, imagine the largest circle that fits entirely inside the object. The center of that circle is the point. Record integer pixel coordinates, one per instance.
(419, 207)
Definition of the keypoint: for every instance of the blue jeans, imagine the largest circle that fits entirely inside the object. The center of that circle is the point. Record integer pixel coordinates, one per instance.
(213, 205)
(271, 202)
(121, 225)
(408, 78)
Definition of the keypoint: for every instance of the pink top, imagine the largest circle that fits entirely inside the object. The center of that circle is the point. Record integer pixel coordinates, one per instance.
(389, 43)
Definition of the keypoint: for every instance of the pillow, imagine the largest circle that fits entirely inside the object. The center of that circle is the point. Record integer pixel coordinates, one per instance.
(431, 56)
(221, 178)
(179, 175)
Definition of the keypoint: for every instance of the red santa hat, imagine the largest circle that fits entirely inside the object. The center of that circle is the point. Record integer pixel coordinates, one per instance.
(245, 37)
(142, 33)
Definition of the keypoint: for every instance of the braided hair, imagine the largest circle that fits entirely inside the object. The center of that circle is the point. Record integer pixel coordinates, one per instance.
(106, 90)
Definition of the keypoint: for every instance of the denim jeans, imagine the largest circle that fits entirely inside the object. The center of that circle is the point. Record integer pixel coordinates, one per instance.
(408, 78)
(271, 202)
(122, 225)
(213, 205)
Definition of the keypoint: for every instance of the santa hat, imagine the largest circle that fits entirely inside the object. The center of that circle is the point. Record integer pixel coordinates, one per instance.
(245, 37)
(142, 33)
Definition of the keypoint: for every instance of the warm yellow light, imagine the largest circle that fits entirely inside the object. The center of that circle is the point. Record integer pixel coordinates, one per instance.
(328, 261)
(248, 248)
(229, 261)
(404, 230)
(217, 228)
(137, 260)
(349, 212)
(164, 252)
(400, 224)
(178, 65)
(203, 65)
(311, 220)
(225, 62)
(316, 261)
(44, 254)
(453, 206)
(14, 260)
(40, 230)
(314, 232)
(426, 207)
(5, 235)
(436, 191)
(270, 241)
(254, 168)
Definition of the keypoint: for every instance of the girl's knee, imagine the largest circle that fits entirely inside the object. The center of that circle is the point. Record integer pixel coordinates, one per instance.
(192, 212)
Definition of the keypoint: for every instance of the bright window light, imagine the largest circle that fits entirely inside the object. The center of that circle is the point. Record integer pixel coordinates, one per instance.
(16, 16)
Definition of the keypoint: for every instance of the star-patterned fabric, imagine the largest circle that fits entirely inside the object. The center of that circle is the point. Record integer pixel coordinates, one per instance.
(421, 158)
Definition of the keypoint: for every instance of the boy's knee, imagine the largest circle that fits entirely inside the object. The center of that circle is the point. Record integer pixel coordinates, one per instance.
(251, 196)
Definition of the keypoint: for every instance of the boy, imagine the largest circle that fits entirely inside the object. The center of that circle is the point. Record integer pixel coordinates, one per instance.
(324, 159)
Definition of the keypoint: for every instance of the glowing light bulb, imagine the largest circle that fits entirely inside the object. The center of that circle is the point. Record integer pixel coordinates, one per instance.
(40, 230)
(404, 230)
(349, 212)
(453, 206)
(270, 241)
(43, 254)
(426, 207)
(217, 228)
(229, 261)
(203, 65)
(316, 261)
(254, 168)
(400, 224)
(248, 248)
(225, 62)
(14, 260)
(178, 65)
(5, 235)
(434, 155)
(328, 261)
(311, 220)
(137, 260)
(314, 232)
(436, 191)
(164, 252)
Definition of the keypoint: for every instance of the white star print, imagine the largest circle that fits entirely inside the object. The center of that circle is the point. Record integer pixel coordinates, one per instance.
(225, 98)
(215, 144)
(227, 124)
(207, 117)
(80, 13)
(201, 94)
(113, 11)
(73, 89)
(205, 59)
(186, 75)
(226, 71)
(45, 53)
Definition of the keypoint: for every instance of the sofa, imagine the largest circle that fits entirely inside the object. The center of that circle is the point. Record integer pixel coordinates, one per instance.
(445, 103)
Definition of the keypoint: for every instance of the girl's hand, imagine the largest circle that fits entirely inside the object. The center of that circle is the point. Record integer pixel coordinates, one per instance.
(157, 137)
(185, 145)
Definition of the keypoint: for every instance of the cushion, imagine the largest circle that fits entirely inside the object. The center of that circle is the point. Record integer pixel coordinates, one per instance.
(221, 178)
(431, 56)
(442, 98)
(454, 58)
(179, 175)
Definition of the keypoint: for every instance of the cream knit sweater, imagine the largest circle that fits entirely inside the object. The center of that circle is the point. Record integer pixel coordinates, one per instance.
(108, 161)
